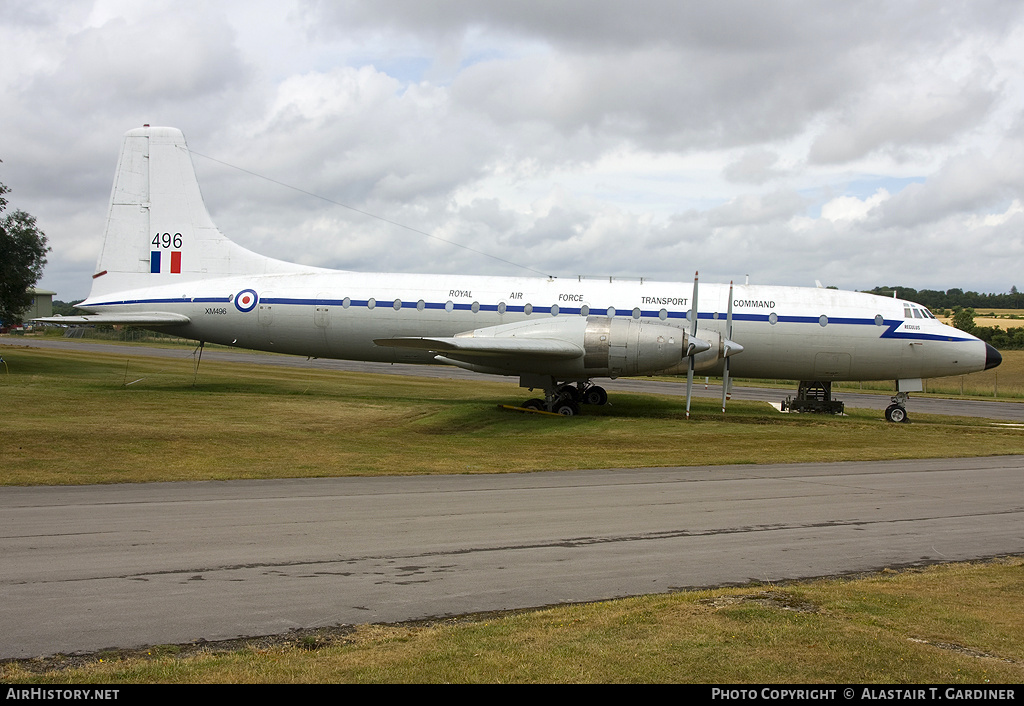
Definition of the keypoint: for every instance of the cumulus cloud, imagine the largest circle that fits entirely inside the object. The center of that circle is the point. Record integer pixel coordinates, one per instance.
(786, 140)
(964, 184)
(755, 166)
(851, 208)
(904, 117)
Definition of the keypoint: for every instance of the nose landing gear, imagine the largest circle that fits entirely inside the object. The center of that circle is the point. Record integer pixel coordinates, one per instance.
(897, 411)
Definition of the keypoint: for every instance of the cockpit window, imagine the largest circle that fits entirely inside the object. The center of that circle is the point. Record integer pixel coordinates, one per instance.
(906, 313)
(918, 314)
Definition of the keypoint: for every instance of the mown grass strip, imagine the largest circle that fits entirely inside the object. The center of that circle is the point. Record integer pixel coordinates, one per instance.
(71, 419)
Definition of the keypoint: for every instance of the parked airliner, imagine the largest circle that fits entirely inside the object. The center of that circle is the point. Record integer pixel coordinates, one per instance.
(165, 266)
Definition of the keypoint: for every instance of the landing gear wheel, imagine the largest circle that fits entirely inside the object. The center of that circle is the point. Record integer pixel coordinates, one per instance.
(566, 408)
(896, 413)
(534, 404)
(569, 392)
(595, 395)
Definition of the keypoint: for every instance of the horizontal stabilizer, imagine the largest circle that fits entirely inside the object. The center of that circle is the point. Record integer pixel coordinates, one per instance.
(141, 318)
(489, 347)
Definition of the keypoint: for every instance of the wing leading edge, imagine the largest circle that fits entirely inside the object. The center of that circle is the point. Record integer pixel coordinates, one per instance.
(488, 347)
(141, 318)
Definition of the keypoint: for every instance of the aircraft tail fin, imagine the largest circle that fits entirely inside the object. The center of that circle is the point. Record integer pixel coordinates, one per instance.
(158, 230)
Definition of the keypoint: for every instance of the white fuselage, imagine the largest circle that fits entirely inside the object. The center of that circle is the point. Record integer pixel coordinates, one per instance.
(786, 332)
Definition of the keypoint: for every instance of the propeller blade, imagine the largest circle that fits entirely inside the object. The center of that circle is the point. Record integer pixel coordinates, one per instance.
(728, 337)
(693, 335)
(689, 387)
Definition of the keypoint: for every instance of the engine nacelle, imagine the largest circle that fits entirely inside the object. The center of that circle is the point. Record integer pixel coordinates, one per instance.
(609, 347)
(630, 347)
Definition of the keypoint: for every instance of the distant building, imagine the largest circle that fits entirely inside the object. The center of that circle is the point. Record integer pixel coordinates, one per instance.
(42, 304)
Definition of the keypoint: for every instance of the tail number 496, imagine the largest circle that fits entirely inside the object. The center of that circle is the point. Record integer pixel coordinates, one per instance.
(167, 240)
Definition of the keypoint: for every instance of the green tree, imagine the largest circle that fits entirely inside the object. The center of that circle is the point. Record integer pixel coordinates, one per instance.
(22, 256)
(963, 319)
(62, 308)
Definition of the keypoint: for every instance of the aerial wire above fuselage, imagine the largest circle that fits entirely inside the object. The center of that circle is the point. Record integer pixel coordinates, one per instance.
(370, 215)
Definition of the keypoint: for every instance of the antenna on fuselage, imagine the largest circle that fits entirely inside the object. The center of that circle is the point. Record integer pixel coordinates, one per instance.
(372, 215)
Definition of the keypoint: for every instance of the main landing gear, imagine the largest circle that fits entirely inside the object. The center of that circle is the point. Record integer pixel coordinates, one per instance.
(897, 411)
(566, 399)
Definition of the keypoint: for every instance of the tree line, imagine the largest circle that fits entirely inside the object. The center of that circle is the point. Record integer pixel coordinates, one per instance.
(1012, 339)
(954, 298)
(963, 307)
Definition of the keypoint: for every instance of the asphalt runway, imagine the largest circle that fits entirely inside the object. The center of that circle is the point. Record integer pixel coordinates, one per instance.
(87, 568)
(1007, 411)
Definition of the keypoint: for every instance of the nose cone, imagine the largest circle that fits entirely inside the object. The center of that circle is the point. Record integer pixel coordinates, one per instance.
(992, 357)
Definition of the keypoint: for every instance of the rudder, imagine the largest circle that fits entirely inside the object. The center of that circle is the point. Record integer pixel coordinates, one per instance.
(158, 229)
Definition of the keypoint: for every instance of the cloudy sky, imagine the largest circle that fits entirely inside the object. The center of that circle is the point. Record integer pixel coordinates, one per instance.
(856, 143)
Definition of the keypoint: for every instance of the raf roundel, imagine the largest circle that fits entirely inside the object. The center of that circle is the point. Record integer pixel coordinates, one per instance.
(246, 300)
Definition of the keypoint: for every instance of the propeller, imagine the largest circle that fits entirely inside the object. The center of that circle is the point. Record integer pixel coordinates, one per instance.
(690, 348)
(729, 348)
(726, 351)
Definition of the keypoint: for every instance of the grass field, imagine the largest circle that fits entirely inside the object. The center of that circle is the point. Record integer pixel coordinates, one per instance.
(948, 624)
(1005, 318)
(85, 417)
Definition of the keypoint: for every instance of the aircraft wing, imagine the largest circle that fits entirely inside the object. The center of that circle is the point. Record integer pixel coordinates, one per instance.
(141, 318)
(489, 347)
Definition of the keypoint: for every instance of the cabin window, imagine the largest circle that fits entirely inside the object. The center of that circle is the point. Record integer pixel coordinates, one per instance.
(421, 305)
(773, 318)
(501, 307)
(823, 321)
(662, 314)
(449, 306)
(554, 309)
(636, 312)
(474, 307)
(611, 311)
(345, 303)
(528, 309)
(879, 321)
(371, 303)
(584, 310)
(397, 304)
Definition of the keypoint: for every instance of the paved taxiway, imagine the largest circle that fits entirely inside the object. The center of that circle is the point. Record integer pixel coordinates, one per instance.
(86, 568)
